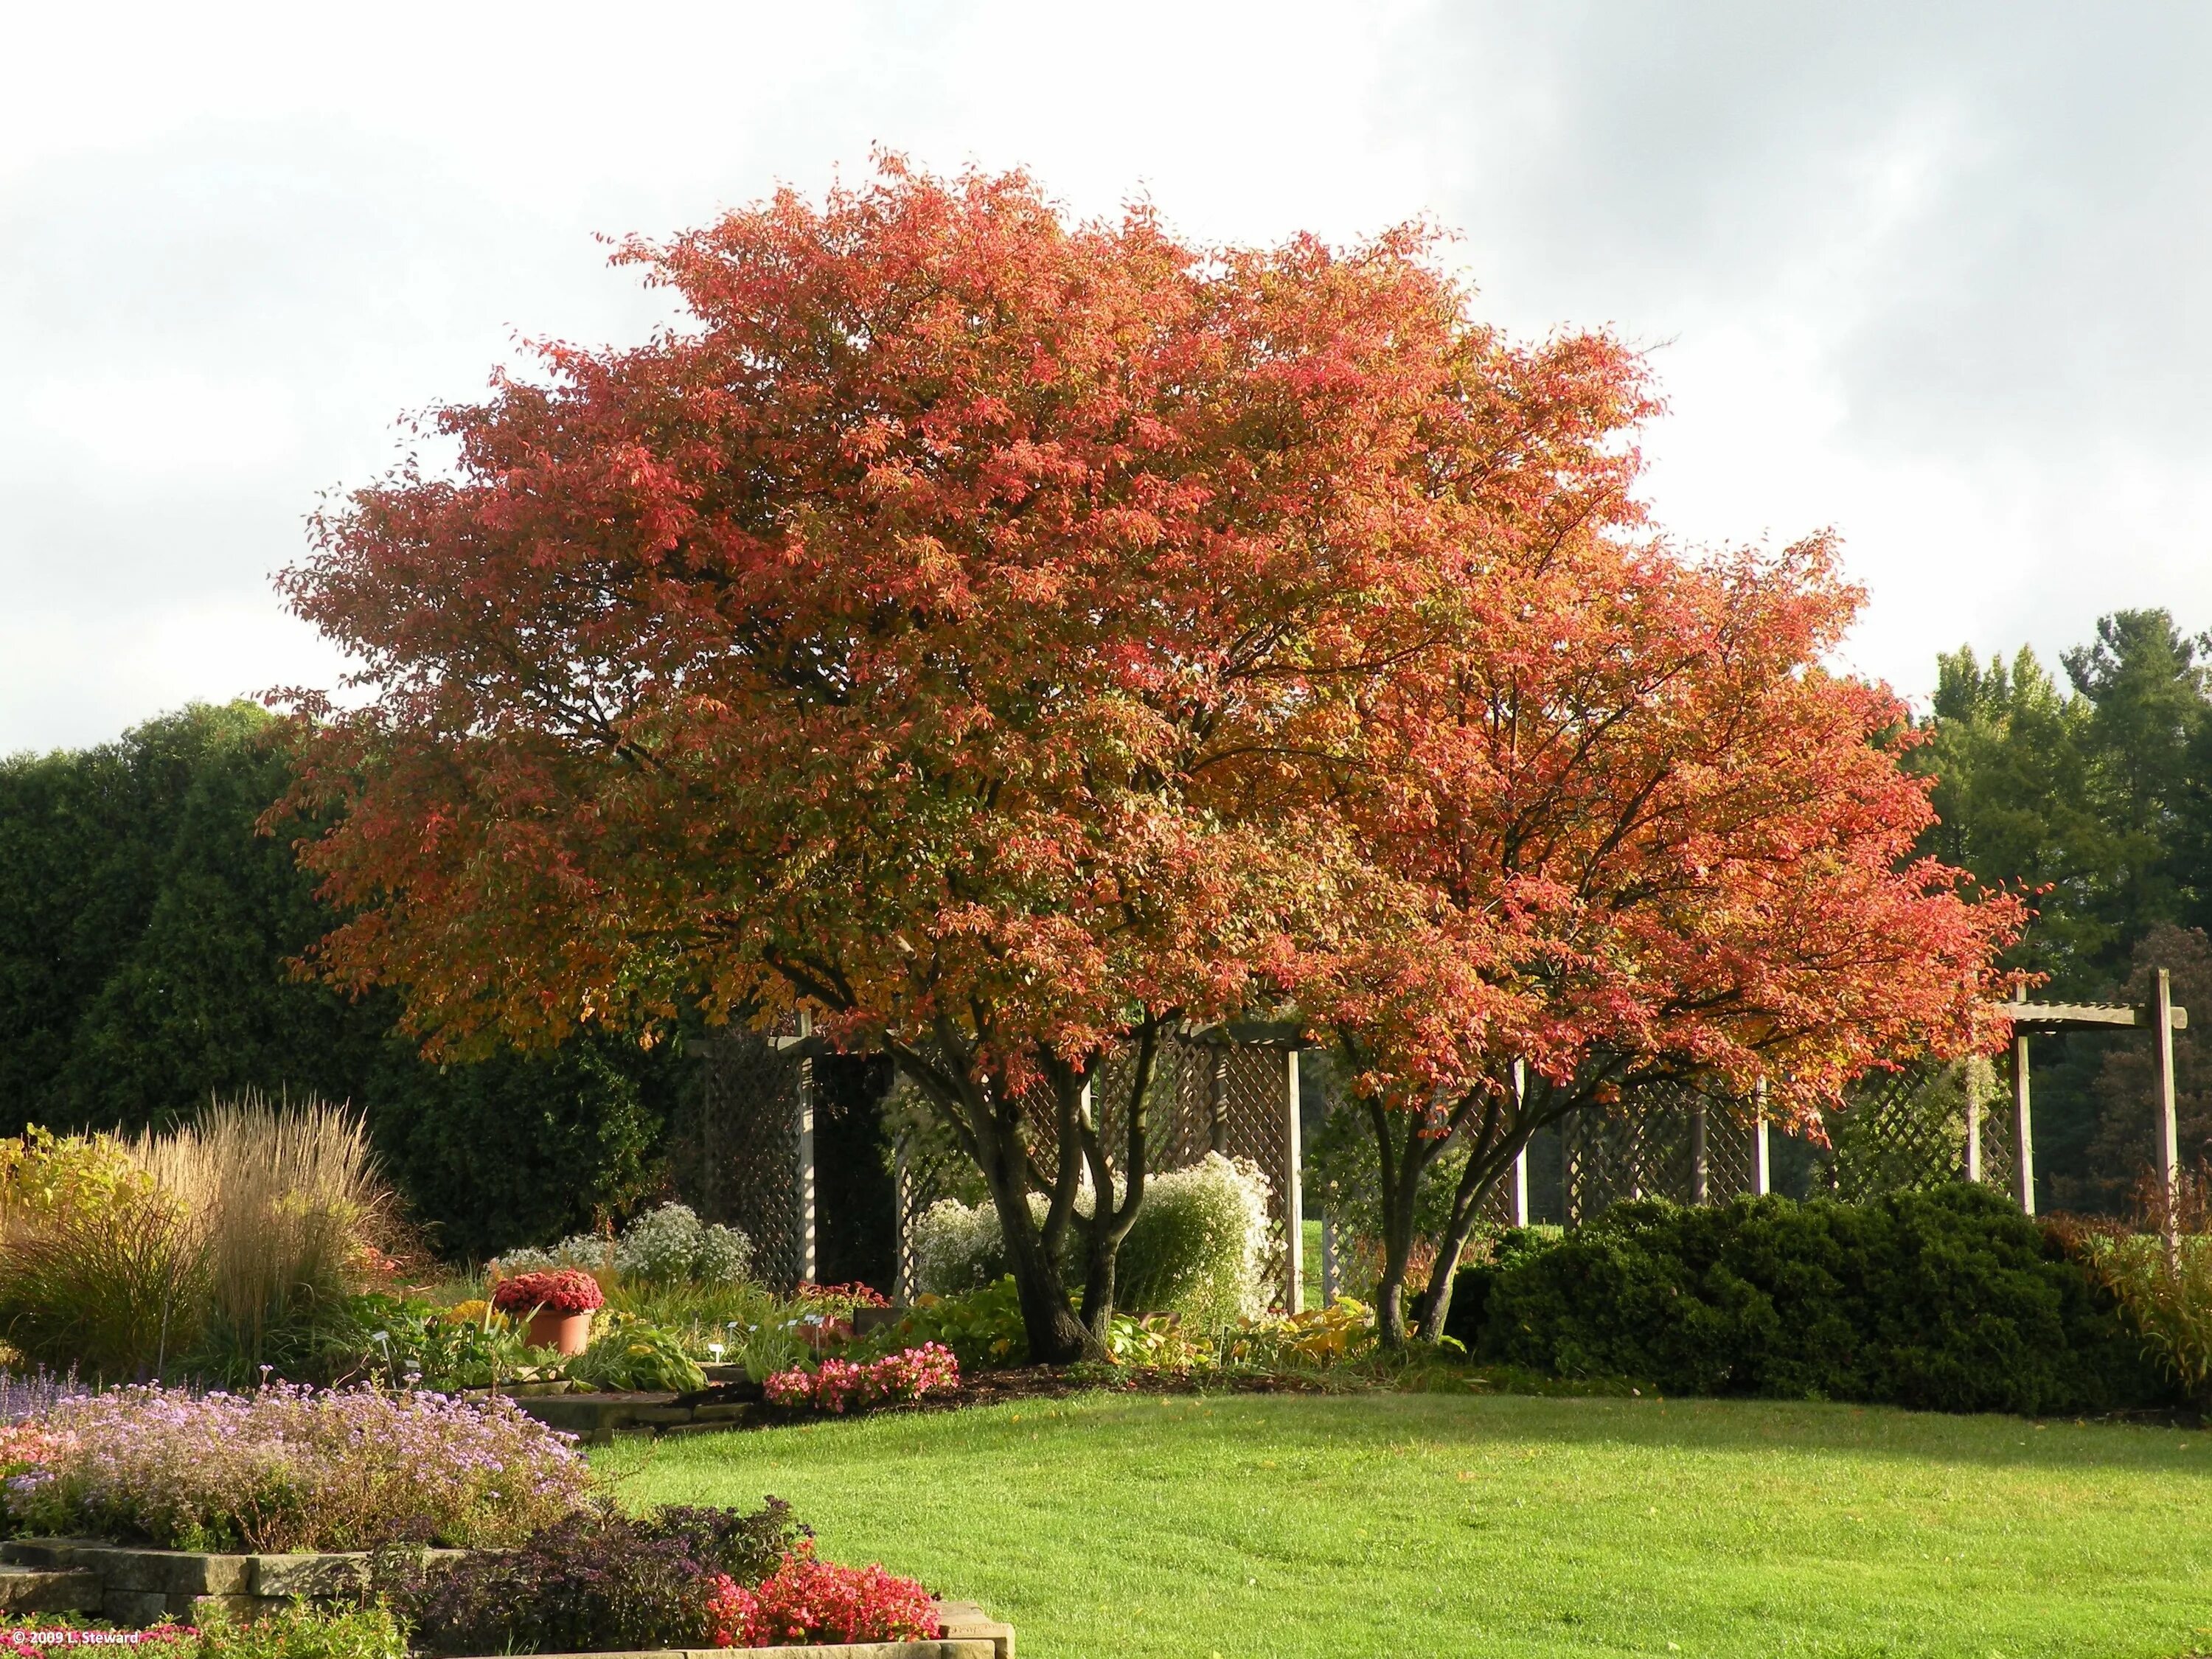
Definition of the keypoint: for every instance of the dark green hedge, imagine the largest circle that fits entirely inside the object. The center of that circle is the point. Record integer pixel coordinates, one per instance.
(1949, 1300)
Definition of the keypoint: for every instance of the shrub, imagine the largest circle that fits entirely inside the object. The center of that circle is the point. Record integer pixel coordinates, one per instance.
(957, 1248)
(595, 1581)
(564, 1291)
(840, 1384)
(672, 1244)
(290, 1468)
(1949, 1300)
(304, 1631)
(99, 1268)
(816, 1601)
(2168, 1295)
(1200, 1246)
(669, 1245)
(215, 1248)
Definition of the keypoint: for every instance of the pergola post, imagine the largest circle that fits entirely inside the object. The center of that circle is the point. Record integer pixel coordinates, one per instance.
(1700, 1164)
(2023, 1136)
(902, 1239)
(2169, 1137)
(1294, 1217)
(1518, 1193)
(806, 1262)
(1762, 1167)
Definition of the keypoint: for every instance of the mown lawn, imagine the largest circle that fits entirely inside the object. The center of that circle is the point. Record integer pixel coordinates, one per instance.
(1435, 1524)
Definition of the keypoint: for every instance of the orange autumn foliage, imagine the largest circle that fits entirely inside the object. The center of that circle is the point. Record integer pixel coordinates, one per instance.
(1009, 638)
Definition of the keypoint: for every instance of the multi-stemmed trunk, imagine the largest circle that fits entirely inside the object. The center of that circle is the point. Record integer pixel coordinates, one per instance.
(1494, 1120)
(988, 1120)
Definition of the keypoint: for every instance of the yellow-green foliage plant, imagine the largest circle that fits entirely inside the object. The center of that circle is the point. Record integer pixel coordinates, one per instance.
(121, 1258)
(101, 1269)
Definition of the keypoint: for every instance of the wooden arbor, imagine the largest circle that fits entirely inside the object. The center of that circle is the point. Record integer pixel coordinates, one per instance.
(2162, 1015)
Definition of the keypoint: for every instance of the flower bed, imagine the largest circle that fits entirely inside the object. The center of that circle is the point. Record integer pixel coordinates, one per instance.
(804, 1600)
(289, 1469)
(839, 1385)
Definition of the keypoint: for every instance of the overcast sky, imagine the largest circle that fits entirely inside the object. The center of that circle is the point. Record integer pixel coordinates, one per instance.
(1936, 276)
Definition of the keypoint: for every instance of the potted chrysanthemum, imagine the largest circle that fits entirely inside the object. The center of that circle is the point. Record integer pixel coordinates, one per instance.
(558, 1305)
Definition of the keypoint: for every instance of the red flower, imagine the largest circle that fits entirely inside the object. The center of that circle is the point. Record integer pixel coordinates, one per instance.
(809, 1601)
(566, 1292)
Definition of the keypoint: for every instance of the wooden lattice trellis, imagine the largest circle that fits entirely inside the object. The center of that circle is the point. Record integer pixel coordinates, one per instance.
(1924, 1125)
(1677, 1143)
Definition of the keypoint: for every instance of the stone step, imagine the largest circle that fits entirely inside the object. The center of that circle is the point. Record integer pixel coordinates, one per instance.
(27, 1589)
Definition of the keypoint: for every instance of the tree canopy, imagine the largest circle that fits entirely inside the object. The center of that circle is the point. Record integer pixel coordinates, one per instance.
(1008, 639)
(2092, 793)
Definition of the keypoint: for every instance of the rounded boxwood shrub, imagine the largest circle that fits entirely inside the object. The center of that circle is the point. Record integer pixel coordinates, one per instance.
(1949, 1300)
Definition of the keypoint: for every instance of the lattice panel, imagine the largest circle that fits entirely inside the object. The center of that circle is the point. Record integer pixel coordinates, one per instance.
(1907, 1130)
(739, 1161)
(1677, 1143)
(921, 1177)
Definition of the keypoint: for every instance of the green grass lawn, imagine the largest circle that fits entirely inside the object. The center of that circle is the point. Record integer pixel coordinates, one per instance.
(1420, 1524)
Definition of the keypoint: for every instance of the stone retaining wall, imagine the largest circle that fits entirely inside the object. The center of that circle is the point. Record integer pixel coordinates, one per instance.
(135, 1586)
(141, 1587)
(596, 1419)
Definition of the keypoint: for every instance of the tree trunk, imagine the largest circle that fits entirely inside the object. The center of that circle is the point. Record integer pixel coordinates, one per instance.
(1110, 1221)
(989, 1130)
(1434, 1306)
(1402, 1169)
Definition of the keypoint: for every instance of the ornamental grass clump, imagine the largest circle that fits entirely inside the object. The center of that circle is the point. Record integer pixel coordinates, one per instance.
(291, 1468)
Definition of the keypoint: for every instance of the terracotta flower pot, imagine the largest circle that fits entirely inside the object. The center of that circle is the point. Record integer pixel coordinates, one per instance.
(567, 1334)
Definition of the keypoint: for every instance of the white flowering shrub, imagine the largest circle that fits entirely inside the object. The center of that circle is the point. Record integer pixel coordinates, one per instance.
(588, 1251)
(672, 1244)
(668, 1244)
(957, 1248)
(1201, 1246)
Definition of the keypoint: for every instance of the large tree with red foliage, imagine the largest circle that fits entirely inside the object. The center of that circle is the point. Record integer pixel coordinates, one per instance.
(1008, 640)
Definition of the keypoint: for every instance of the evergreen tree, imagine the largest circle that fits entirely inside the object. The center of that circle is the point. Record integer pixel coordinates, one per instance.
(2095, 795)
(146, 930)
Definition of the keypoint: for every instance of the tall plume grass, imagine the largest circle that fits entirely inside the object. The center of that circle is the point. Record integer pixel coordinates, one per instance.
(286, 1203)
(211, 1242)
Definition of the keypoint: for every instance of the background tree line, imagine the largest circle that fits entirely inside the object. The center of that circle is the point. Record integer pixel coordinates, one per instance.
(146, 927)
(2094, 791)
(145, 933)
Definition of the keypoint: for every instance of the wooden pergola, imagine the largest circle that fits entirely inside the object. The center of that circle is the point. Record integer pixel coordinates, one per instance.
(2162, 1015)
